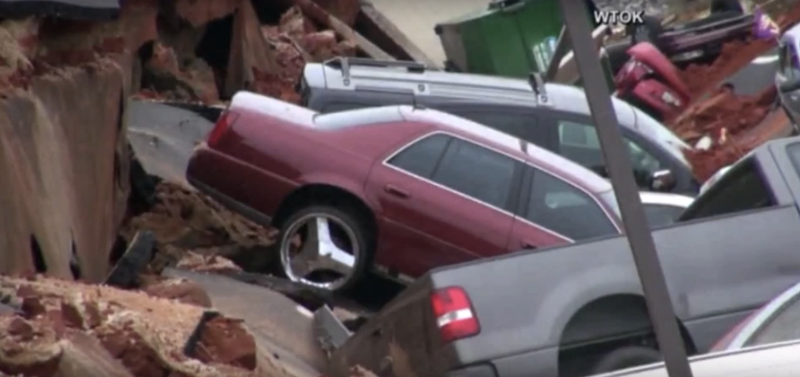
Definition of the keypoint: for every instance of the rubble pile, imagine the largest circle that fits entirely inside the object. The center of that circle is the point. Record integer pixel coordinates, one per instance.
(193, 231)
(728, 124)
(70, 329)
(190, 63)
(715, 125)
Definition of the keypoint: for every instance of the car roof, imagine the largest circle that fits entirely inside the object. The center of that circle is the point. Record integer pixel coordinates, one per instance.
(457, 86)
(774, 360)
(510, 145)
(667, 199)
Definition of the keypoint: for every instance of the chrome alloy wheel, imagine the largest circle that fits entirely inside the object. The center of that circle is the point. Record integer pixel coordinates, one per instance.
(319, 250)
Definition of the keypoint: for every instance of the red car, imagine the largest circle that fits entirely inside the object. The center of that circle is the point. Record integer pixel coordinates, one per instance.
(401, 188)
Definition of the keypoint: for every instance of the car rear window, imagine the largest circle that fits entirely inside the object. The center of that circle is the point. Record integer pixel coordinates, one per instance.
(356, 118)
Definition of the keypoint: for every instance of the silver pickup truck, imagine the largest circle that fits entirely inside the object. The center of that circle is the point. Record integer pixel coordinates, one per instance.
(579, 309)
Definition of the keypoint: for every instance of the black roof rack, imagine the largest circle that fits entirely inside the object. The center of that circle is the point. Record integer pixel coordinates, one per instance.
(344, 63)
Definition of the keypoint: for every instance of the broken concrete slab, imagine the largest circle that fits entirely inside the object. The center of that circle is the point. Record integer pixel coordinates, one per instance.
(383, 32)
(49, 165)
(121, 333)
(276, 322)
(250, 55)
(126, 272)
(345, 10)
(95, 10)
(164, 134)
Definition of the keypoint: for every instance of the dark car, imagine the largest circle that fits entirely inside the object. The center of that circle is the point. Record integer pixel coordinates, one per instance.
(403, 188)
(556, 118)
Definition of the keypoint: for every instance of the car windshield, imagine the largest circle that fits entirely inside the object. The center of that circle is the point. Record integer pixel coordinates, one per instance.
(652, 129)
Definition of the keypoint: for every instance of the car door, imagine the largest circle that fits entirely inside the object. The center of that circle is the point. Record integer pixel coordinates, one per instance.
(444, 200)
(523, 123)
(787, 80)
(553, 211)
(576, 139)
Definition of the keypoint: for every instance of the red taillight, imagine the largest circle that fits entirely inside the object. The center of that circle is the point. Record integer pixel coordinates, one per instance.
(224, 123)
(454, 315)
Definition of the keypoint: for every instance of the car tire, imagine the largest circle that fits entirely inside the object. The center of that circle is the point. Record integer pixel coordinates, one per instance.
(342, 221)
(648, 31)
(626, 357)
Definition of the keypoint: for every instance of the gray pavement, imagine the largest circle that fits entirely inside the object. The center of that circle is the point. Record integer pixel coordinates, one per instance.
(163, 137)
(756, 76)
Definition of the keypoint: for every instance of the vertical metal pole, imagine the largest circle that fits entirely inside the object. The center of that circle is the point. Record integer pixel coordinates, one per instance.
(659, 305)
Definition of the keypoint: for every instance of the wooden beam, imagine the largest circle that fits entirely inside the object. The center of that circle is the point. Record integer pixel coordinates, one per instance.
(321, 16)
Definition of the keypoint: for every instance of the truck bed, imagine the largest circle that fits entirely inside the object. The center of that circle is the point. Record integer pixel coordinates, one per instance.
(720, 278)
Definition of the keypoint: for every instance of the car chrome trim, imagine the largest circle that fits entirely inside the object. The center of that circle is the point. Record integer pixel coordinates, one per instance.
(767, 313)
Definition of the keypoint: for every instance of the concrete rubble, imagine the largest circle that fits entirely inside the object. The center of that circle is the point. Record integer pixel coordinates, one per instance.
(67, 69)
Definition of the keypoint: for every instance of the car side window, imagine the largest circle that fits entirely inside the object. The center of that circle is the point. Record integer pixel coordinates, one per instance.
(477, 172)
(421, 157)
(740, 189)
(661, 215)
(579, 142)
(523, 125)
(565, 209)
(783, 326)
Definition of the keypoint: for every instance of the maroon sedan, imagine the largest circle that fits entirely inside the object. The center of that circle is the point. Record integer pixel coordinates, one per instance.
(400, 188)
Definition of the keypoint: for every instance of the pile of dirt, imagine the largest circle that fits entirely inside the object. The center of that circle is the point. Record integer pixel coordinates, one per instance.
(732, 125)
(132, 333)
(194, 231)
(70, 329)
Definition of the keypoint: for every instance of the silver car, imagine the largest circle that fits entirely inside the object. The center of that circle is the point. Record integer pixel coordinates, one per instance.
(776, 360)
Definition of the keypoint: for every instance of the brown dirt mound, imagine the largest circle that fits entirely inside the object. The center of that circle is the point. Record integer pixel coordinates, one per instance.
(186, 221)
(145, 334)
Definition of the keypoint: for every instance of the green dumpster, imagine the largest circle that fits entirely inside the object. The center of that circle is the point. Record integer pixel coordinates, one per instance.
(508, 38)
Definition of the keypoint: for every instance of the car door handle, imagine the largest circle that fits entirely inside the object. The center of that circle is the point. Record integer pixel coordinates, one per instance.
(396, 191)
(527, 245)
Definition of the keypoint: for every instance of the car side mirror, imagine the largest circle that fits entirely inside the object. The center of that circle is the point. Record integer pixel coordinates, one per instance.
(789, 85)
(662, 180)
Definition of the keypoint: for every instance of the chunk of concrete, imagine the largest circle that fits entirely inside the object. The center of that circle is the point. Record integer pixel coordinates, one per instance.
(134, 260)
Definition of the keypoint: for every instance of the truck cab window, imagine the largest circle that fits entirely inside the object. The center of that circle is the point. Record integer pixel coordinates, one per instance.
(741, 189)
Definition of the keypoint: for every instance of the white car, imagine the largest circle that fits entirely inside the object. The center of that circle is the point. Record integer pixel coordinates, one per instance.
(775, 360)
(663, 208)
